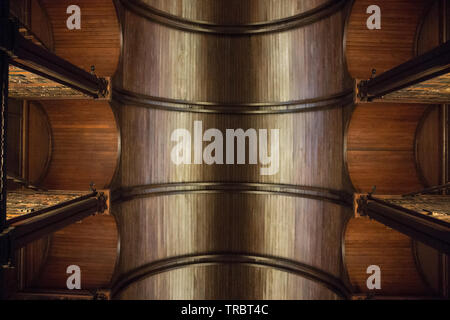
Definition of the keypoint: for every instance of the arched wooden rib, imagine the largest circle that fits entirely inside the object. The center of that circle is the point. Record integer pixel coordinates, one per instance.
(334, 196)
(338, 100)
(297, 268)
(420, 172)
(309, 17)
(345, 274)
(345, 147)
(33, 177)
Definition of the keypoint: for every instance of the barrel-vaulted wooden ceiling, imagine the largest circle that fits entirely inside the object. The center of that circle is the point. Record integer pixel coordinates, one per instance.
(238, 234)
(225, 231)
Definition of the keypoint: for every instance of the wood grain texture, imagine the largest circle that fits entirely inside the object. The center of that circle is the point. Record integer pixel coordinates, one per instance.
(40, 24)
(291, 228)
(90, 244)
(389, 172)
(15, 138)
(85, 144)
(429, 137)
(28, 264)
(31, 261)
(381, 147)
(387, 47)
(310, 148)
(236, 282)
(97, 43)
(429, 150)
(270, 68)
(370, 243)
(429, 36)
(233, 12)
(39, 144)
(33, 16)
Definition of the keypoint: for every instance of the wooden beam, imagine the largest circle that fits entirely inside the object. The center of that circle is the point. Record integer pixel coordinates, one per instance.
(47, 221)
(36, 59)
(430, 231)
(432, 65)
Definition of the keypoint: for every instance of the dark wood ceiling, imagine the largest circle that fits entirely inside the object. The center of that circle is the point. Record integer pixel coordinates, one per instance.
(229, 223)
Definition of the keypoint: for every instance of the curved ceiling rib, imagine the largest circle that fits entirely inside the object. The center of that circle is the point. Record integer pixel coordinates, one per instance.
(339, 100)
(293, 267)
(305, 18)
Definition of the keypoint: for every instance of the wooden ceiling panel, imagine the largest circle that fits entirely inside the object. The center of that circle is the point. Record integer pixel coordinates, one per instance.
(429, 35)
(97, 43)
(232, 12)
(231, 281)
(387, 47)
(34, 18)
(216, 208)
(370, 243)
(85, 144)
(168, 63)
(429, 147)
(90, 244)
(381, 147)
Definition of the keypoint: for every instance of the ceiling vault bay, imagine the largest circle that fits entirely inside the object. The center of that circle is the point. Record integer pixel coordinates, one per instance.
(236, 235)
